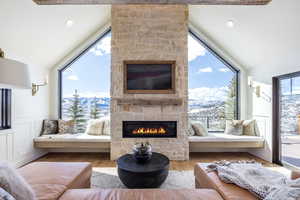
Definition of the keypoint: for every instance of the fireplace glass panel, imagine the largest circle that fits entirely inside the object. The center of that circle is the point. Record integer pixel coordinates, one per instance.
(153, 129)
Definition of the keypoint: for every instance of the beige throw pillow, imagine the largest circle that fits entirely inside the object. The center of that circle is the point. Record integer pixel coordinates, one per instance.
(234, 127)
(66, 126)
(14, 184)
(95, 127)
(249, 127)
(199, 129)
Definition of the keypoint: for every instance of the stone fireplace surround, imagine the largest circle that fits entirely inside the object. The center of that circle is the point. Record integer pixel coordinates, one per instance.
(149, 32)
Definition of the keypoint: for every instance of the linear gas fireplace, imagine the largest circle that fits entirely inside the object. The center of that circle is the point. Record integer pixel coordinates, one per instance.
(149, 129)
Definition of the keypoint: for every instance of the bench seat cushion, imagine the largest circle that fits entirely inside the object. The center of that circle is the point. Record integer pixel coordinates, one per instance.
(50, 180)
(142, 194)
(221, 137)
(79, 137)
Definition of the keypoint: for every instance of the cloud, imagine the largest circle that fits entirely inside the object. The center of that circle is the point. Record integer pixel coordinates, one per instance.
(206, 94)
(195, 48)
(102, 47)
(205, 70)
(224, 69)
(73, 77)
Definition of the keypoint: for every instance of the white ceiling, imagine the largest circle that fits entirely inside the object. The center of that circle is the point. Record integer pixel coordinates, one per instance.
(265, 39)
(38, 36)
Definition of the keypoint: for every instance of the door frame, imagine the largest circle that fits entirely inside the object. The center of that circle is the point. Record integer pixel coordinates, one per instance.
(277, 151)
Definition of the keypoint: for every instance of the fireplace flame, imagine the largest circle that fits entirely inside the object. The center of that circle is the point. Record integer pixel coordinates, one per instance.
(149, 131)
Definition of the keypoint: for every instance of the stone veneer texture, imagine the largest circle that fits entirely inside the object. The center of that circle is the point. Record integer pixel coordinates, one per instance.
(149, 32)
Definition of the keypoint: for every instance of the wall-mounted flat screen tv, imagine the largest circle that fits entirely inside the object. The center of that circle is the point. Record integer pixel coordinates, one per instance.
(149, 77)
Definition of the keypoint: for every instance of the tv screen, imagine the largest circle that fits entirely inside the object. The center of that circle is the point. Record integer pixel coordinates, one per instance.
(151, 77)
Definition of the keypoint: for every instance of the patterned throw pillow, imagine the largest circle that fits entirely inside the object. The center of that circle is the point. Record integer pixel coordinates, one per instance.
(234, 127)
(5, 195)
(66, 126)
(14, 184)
(50, 127)
(249, 127)
(95, 127)
(190, 131)
(106, 126)
(199, 129)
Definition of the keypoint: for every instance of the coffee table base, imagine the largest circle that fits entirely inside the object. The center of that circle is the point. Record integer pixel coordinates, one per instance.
(143, 180)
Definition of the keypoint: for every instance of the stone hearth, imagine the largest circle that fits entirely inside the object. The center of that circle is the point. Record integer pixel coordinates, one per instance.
(149, 32)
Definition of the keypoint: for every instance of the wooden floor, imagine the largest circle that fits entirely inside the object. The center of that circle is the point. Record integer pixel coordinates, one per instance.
(103, 160)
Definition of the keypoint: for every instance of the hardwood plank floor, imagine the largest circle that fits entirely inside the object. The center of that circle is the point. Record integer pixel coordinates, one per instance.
(103, 160)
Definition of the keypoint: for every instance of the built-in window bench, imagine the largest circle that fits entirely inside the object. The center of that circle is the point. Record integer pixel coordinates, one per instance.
(224, 141)
(73, 141)
(102, 143)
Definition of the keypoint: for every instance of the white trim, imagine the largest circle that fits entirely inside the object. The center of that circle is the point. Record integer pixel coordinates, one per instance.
(243, 85)
(54, 91)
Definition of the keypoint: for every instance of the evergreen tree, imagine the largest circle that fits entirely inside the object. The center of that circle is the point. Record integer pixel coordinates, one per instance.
(76, 111)
(95, 109)
(230, 104)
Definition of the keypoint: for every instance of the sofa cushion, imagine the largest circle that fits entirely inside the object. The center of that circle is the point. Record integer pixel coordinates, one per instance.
(144, 194)
(222, 137)
(211, 180)
(234, 127)
(50, 180)
(79, 137)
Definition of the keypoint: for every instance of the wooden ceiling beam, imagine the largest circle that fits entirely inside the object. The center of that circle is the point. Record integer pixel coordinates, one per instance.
(192, 2)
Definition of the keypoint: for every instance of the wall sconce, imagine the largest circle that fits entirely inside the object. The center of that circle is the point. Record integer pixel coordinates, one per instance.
(36, 87)
(252, 86)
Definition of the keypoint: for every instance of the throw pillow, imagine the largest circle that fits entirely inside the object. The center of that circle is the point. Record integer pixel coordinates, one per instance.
(66, 126)
(249, 127)
(234, 127)
(190, 131)
(50, 127)
(199, 129)
(106, 126)
(94, 127)
(14, 184)
(5, 195)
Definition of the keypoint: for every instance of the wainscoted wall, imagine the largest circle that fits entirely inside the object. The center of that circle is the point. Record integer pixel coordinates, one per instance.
(16, 144)
(149, 32)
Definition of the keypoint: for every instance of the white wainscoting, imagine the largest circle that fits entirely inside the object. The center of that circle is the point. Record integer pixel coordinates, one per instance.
(6, 146)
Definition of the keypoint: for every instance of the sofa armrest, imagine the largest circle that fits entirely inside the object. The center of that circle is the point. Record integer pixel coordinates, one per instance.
(295, 174)
(211, 180)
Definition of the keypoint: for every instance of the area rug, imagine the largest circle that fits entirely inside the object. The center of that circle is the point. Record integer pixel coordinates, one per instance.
(108, 178)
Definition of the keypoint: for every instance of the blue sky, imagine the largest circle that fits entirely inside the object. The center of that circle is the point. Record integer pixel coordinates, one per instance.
(90, 74)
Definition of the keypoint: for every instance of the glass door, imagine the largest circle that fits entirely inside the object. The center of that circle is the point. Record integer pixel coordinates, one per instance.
(288, 128)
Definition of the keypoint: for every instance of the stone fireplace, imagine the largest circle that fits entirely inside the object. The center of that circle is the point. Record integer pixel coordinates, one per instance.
(154, 33)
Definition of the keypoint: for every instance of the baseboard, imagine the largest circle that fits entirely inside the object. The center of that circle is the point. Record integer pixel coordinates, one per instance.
(29, 158)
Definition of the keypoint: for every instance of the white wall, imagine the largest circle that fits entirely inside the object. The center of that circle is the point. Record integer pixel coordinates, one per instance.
(28, 112)
(261, 110)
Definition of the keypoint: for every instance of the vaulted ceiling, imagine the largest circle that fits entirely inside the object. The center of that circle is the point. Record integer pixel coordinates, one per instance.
(264, 39)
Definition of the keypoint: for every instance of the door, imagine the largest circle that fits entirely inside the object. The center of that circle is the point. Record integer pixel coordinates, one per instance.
(286, 119)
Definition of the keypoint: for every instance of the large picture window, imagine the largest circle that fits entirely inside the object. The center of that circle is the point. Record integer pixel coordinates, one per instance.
(5, 109)
(85, 84)
(213, 86)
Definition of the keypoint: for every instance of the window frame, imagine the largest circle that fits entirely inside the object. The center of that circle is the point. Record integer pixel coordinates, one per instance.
(5, 108)
(61, 70)
(227, 64)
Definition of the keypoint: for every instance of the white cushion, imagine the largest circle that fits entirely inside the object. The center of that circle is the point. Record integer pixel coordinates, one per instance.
(221, 137)
(79, 137)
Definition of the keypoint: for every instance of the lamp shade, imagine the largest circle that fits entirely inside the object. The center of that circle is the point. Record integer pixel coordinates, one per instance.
(14, 74)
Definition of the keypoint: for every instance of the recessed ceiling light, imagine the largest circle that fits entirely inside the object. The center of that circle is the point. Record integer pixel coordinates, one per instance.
(230, 23)
(69, 23)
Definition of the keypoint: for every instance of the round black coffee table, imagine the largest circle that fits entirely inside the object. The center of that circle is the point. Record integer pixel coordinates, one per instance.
(147, 175)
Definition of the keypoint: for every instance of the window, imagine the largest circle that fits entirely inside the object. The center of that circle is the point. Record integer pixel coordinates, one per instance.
(85, 84)
(5, 109)
(213, 86)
